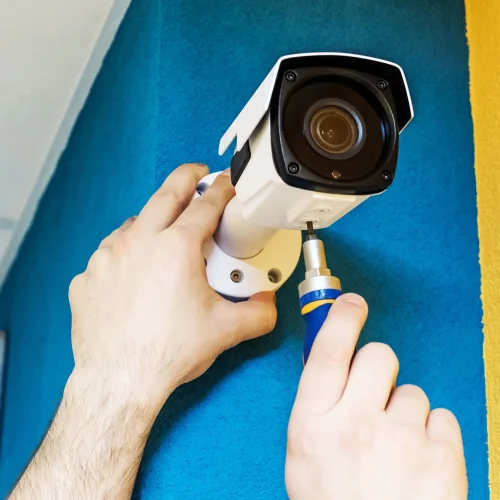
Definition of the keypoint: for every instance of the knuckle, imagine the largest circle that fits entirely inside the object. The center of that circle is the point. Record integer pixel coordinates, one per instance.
(106, 241)
(413, 392)
(180, 183)
(222, 188)
(175, 234)
(294, 433)
(402, 432)
(332, 358)
(380, 352)
(404, 436)
(194, 170)
(129, 222)
(99, 261)
(125, 241)
(180, 237)
(75, 285)
(304, 437)
(445, 416)
(209, 207)
(166, 195)
(310, 437)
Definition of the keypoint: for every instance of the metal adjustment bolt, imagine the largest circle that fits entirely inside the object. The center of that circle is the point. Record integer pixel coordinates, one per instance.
(382, 85)
(290, 76)
(386, 175)
(293, 168)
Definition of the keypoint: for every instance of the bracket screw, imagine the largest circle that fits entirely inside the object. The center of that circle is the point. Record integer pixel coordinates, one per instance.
(236, 276)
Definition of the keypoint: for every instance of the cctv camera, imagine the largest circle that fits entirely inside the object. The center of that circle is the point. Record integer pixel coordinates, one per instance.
(319, 136)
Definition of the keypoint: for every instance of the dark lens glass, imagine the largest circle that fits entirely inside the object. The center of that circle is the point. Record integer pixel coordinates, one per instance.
(334, 130)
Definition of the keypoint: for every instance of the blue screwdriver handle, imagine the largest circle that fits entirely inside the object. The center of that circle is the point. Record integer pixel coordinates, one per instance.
(315, 307)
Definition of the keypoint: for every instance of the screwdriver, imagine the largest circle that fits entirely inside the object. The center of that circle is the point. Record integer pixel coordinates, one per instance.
(318, 291)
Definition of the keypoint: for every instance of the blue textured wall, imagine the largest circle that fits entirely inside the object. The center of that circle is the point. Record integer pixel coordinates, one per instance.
(176, 76)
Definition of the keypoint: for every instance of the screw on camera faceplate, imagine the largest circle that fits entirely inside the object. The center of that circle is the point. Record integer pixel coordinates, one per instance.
(386, 175)
(293, 168)
(290, 76)
(382, 85)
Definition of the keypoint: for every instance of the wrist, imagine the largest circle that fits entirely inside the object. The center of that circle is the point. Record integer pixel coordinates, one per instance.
(112, 395)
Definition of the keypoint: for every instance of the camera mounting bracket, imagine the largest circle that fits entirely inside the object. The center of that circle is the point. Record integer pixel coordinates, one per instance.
(237, 278)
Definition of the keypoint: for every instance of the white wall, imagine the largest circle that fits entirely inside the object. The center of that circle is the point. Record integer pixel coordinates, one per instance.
(50, 54)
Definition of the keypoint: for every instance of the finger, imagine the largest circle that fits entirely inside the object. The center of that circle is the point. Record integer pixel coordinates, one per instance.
(203, 214)
(327, 369)
(250, 319)
(372, 378)
(111, 238)
(442, 425)
(410, 404)
(171, 199)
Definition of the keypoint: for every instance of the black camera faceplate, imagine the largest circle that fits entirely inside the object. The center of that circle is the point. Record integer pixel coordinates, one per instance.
(316, 77)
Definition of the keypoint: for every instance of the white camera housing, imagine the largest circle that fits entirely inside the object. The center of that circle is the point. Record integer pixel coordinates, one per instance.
(281, 180)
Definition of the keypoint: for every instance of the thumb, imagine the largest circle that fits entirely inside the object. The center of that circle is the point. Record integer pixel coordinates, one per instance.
(111, 238)
(326, 373)
(253, 318)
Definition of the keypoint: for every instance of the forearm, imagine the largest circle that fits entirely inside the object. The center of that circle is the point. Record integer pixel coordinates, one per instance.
(93, 448)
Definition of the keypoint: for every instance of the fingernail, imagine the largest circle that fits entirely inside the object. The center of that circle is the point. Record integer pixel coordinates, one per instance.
(202, 166)
(353, 299)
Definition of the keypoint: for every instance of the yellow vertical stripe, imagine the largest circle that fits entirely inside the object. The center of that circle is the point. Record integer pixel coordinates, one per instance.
(483, 27)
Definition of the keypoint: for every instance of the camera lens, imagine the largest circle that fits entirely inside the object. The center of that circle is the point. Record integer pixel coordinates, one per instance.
(334, 130)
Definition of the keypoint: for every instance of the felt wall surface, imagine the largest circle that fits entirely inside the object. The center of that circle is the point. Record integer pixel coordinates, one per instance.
(483, 19)
(177, 75)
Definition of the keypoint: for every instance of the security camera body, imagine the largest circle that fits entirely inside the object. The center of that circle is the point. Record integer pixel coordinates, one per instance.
(319, 136)
(281, 179)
